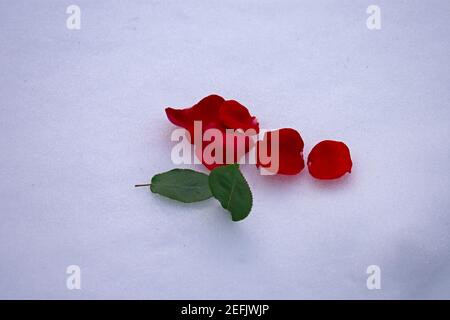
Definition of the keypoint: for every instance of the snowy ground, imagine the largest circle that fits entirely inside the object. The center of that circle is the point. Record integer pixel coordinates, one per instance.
(82, 120)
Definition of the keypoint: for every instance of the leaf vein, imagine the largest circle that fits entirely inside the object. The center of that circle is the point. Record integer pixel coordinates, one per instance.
(231, 192)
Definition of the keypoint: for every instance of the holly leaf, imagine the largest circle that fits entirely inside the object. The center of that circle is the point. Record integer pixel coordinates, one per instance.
(229, 186)
(183, 185)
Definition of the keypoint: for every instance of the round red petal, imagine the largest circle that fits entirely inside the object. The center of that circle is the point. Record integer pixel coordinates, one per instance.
(290, 148)
(329, 160)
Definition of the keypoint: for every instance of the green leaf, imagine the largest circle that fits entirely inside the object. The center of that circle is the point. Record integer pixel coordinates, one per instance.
(183, 185)
(229, 186)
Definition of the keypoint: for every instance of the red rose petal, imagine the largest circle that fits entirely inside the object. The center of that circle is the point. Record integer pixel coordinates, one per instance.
(234, 115)
(290, 148)
(238, 142)
(329, 160)
(214, 112)
(206, 110)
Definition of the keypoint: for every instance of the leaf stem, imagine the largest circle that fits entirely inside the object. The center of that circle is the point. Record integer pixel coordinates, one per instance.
(142, 185)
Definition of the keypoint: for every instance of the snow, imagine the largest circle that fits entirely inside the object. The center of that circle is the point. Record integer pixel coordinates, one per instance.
(82, 120)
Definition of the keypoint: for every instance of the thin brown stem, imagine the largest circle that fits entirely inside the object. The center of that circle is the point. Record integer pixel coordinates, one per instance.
(142, 185)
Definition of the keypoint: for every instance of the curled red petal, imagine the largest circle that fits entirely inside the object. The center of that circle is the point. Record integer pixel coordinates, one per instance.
(234, 115)
(232, 146)
(206, 110)
(216, 113)
(290, 152)
(329, 160)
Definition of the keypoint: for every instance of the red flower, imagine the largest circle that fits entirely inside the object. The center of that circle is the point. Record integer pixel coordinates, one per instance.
(216, 113)
(290, 152)
(329, 160)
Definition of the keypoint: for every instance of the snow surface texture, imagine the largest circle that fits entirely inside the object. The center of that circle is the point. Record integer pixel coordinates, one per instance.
(82, 120)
